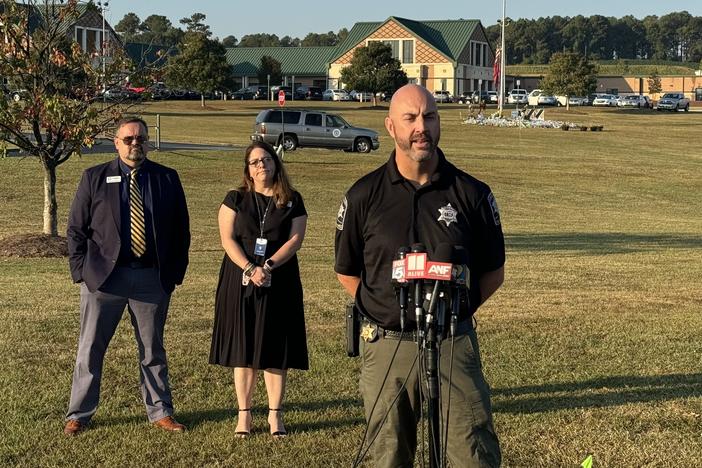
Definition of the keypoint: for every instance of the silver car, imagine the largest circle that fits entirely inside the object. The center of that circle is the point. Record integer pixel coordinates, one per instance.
(296, 128)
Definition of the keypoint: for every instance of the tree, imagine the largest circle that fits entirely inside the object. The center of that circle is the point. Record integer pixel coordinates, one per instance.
(56, 116)
(569, 74)
(373, 69)
(128, 27)
(259, 40)
(230, 41)
(654, 83)
(195, 24)
(269, 66)
(200, 65)
(157, 29)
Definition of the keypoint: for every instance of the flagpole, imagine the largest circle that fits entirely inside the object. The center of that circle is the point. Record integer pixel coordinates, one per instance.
(502, 59)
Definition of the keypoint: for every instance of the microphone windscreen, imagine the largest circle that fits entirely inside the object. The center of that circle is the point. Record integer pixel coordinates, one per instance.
(401, 253)
(459, 255)
(443, 253)
(418, 247)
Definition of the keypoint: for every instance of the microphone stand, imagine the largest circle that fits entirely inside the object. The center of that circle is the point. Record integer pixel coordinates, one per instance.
(432, 336)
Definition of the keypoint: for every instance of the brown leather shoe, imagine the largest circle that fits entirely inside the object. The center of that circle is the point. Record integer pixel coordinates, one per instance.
(169, 424)
(73, 427)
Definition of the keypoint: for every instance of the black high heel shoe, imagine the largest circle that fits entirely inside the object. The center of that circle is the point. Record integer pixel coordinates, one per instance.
(278, 434)
(242, 434)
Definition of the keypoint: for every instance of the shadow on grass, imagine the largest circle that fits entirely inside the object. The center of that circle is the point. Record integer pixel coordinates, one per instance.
(597, 393)
(193, 419)
(595, 243)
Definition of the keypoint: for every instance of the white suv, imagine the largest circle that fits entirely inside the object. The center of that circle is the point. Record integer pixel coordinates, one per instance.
(518, 96)
(443, 96)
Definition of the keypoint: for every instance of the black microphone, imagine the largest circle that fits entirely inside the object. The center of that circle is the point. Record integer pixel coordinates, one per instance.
(460, 280)
(400, 282)
(443, 254)
(418, 287)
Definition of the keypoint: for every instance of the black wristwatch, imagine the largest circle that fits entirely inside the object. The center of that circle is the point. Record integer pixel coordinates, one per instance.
(268, 264)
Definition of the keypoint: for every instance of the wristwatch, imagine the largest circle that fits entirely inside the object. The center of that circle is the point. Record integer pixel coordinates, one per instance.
(268, 265)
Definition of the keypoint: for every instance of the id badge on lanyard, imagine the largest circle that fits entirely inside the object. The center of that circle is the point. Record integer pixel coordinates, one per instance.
(260, 248)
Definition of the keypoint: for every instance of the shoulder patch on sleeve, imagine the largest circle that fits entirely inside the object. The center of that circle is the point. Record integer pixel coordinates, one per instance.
(341, 215)
(495, 210)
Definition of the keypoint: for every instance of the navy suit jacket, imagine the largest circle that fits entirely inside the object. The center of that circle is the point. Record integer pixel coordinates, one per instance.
(94, 224)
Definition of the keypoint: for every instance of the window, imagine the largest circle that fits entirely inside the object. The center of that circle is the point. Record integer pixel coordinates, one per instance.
(89, 39)
(289, 117)
(443, 84)
(334, 121)
(408, 51)
(313, 119)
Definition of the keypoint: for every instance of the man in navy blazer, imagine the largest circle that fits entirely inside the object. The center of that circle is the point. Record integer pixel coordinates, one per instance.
(115, 269)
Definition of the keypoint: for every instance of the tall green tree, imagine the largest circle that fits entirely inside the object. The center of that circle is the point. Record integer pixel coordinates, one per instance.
(55, 117)
(196, 24)
(230, 41)
(373, 69)
(259, 40)
(269, 67)
(570, 74)
(128, 27)
(200, 65)
(157, 29)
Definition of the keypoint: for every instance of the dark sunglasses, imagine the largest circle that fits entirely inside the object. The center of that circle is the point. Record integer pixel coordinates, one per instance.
(128, 140)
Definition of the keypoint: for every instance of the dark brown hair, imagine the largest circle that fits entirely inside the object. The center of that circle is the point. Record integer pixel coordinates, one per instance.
(282, 188)
(131, 119)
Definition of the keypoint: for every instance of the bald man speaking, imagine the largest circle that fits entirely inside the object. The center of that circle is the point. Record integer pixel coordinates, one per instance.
(418, 198)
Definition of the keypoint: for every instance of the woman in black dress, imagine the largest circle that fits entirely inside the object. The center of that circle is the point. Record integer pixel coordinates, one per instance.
(259, 319)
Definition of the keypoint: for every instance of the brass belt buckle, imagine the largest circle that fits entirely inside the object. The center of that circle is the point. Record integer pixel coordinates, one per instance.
(369, 332)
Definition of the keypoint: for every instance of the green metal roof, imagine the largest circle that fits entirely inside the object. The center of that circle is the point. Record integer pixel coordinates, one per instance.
(300, 61)
(448, 37)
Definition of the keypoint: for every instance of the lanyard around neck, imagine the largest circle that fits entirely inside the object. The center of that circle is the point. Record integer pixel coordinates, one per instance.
(261, 218)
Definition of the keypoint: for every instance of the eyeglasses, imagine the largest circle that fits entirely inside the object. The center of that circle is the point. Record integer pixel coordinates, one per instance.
(140, 139)
(255, 162)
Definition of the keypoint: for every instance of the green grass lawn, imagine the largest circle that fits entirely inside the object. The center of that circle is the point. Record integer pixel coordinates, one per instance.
(592, 346)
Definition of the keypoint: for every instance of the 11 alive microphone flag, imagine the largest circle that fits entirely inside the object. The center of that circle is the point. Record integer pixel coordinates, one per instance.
(416, 265)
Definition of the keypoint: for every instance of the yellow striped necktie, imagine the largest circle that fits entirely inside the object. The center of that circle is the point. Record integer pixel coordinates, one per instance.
(136, 216)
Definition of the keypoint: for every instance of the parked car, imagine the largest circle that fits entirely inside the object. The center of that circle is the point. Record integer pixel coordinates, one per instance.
(443, 96)
(310, 93)
(286, 89)
(539, 98)
(674, 102)
(465, 97)
(251, 92)
(572, 100)
(608, 100)
(363, 96)
(336, 95)
(492, 96)
(297, 128)
(119, 94)
(518, 96)
(635, 100)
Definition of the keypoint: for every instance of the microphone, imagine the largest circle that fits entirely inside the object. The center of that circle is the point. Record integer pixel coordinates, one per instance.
(461, 279)
(439, 270)
(416, 264)
(400, 282)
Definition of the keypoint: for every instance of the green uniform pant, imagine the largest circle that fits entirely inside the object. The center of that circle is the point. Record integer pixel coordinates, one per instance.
(472, 441)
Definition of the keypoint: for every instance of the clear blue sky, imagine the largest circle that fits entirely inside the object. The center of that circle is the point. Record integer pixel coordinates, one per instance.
(296, 18)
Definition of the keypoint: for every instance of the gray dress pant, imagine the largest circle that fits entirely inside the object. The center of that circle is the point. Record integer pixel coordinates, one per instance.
(140, 290)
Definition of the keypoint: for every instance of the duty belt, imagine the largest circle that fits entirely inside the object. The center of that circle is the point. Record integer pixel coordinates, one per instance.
(370, 332)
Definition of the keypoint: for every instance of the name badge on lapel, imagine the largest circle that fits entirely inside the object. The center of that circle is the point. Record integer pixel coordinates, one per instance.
(260, 249)
(115, 179)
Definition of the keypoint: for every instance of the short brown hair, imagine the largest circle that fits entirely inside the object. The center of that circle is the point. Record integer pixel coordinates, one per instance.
(131, 119)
